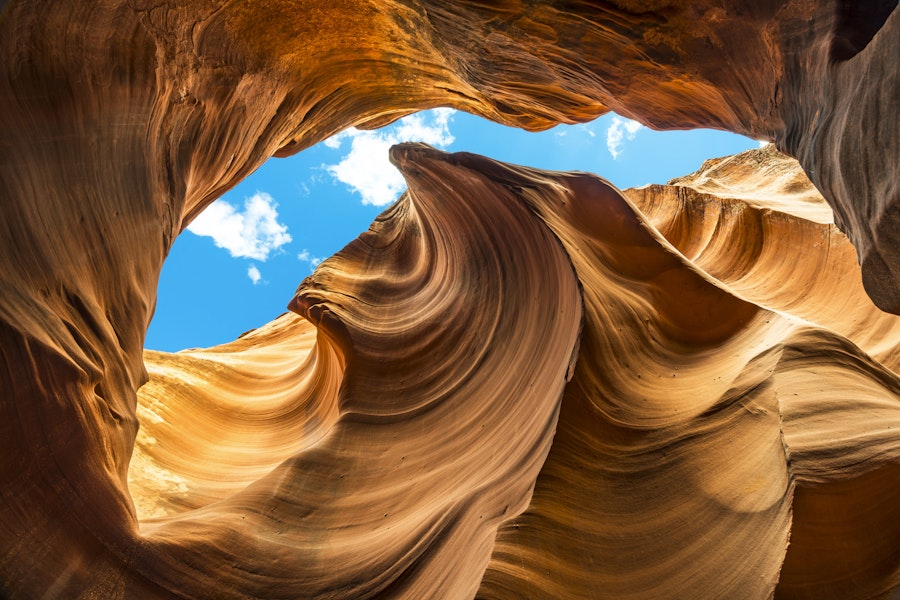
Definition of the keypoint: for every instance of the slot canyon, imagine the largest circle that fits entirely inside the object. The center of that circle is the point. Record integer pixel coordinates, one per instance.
(518, 383)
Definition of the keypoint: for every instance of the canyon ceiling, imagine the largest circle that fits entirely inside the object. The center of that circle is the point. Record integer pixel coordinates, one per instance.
(517, 383)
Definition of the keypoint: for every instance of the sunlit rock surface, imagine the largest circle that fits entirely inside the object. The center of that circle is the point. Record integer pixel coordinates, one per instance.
(161, 106)
(712, 415)
(518, 383)
(525, 383)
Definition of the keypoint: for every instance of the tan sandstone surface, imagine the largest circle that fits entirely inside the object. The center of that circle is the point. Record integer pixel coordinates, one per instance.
(517, 383)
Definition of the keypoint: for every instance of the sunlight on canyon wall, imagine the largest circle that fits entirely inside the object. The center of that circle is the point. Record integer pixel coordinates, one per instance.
(517, 383)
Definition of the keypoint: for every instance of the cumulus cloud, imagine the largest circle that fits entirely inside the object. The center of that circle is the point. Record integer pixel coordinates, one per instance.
(620, 130)
(313, 261)
(254, 274)
(366, 168)
(252, 233)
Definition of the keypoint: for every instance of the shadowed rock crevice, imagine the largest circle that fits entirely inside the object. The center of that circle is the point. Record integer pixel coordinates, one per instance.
(856, 23)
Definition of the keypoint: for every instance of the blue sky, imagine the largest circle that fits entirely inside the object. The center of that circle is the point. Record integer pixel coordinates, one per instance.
(238, 264)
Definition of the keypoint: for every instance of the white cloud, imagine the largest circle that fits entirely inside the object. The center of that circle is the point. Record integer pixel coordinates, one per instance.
(313, 261)
(366, 168)
(254, 274)
(253, 233)
(620, 130)
(762, 143)
(579, 130)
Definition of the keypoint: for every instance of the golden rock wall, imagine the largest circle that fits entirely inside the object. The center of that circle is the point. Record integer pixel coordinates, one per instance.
(517, 383)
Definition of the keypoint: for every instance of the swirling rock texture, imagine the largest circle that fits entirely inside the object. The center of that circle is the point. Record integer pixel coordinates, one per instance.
(517, 383)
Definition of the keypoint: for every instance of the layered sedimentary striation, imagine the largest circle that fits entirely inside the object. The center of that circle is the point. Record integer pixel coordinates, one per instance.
(402, 490)
(525, 383)
(162, 106)
(697, 425)
(738, 218)
(517, 383)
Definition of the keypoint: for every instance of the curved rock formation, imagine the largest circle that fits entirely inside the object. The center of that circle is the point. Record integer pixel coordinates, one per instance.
(739, 218)
(426, 430)
(451, 368)
(163, 106)
(518, 383)
(697, 419)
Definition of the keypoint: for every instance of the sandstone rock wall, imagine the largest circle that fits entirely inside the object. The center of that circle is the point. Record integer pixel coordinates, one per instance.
(517, 382)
